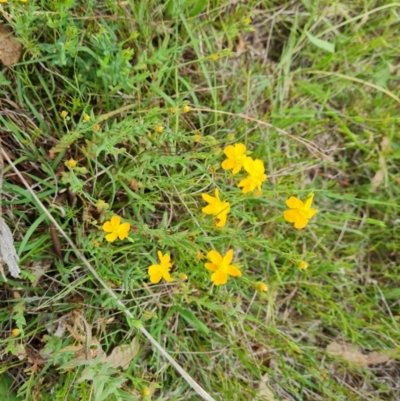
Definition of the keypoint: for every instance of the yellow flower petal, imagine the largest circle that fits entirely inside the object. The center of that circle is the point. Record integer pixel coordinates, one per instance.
(123, 230)
(228, 164)
(165, 260)
(167, 276)
(210, 266)
(107, 227)
(210, 209)
(311, 213)
(153, 269)
(294, 203)
(220, 219)
(234, 271)
(230, 152)
(111, 237)
(301, 222)
(309, 200)
(291, 215)
(115, 220)
(156, 278)
(209, 199)
(215, 257)
(240, 149)
(219, 278)
(227, 259)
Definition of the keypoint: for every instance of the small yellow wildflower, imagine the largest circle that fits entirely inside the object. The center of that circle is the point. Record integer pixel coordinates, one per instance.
(217, 208)
(172, 110)
(96, 127)
(86, 117)
(116, 229)
(256, 176)
(303, 265)
(214, 57)
(183, 276)
(221, 267)
(145, 392)
(101, 205)
(200, 255)
(64, 114)
(216, 151)
(246, 21)
(299, 212)
(236, 155)
(157, 272)
(261, 287)
(197, 136)
(186, 109)
(71, 163)
(159, 129)
(15, 332)
(95, 243)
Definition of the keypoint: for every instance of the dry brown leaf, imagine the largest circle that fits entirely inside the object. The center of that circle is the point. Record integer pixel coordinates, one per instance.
(263, 391)
(352, 354)
(386, 145)
(122, 355)
(39, 268)
(377, 180)
(10, 49)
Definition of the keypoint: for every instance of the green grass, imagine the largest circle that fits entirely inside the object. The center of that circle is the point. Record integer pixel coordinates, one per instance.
(321, 121)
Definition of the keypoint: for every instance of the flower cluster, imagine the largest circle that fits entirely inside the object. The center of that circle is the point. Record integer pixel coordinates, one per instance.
(299, 213)
(236, 159)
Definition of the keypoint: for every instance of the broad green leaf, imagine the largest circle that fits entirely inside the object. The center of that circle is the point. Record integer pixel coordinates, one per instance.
(191, 318)
(322, 44)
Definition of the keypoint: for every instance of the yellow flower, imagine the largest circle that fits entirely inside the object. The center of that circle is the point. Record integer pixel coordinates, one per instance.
(71, 163)
(157, 272)
(95, 243)
(221, 267)
(236, 155)
(86, 117)
(303, 265)
(214, 57)
(186, 109)
(64, 114)
(216, 208)
(199, 255)
(256, 176)
(299, 212)
(172, 110)
(116, 229)
(145, 391)
(183, 276)
(159, 128)
(197, 136)
(102, 205)
(96, 127)
(261, 287)
(15, 332)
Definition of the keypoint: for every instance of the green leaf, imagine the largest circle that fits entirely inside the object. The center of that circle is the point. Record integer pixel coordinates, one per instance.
(6, 384)
(191, 318)
(392, 294)
(322, 44)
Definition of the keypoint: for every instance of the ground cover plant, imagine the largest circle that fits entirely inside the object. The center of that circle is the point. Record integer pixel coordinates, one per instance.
(230, 172)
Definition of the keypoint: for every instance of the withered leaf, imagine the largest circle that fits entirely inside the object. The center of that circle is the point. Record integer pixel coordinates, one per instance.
(352, 354)
(122, 355)
(10, 49)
